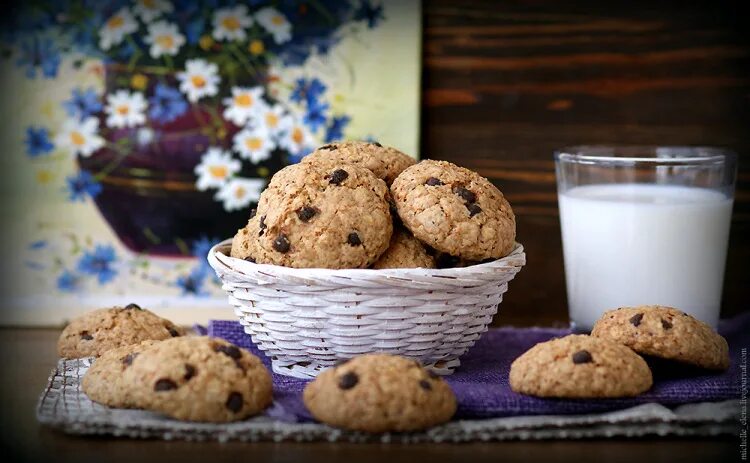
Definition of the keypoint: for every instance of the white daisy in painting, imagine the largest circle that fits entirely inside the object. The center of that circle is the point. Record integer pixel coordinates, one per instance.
(275, 23)
(215, 169)
(254, 144)
(200, 78)
(125, 109)
(297, 138)
(245, 104)
(80, 137)
(276, 120)
(118, 25)
(230, 23)
(164, 38)
(149, 10)
(239, 192)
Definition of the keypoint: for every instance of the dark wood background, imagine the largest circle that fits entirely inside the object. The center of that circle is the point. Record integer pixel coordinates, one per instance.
(505, 83)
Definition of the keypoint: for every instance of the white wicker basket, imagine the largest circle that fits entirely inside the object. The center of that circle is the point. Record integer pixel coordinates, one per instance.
(308, 319)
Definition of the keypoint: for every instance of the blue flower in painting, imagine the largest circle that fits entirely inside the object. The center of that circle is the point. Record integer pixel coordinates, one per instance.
(36, 245)
(307, 91)
(315, 115)
(83, 103)
(294, 158)
(68, 281)
(200, 248)
(370, 13)
(99, 263)
(193, 282)
(82, 185)
(167, 104)
(39, 53)
(37, 141)
(335, 131)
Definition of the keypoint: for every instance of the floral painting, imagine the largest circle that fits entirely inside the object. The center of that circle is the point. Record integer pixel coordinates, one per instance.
(140, 133)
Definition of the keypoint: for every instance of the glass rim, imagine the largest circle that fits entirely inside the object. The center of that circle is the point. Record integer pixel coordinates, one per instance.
(645, 154)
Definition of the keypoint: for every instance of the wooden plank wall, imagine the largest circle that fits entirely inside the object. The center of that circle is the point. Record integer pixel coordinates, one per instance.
(505, 83)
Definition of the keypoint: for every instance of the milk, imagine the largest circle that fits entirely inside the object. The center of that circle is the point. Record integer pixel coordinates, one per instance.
(636, 244)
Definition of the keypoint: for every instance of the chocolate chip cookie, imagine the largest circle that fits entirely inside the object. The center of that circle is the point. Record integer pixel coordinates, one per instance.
(103, 381)
(96, 332)
(665, 332)
(245, 242)
(199, 379)
(579, 366)
(379, 393)
(405, 251)
(323, 217)
(385, 162)
(454, 210)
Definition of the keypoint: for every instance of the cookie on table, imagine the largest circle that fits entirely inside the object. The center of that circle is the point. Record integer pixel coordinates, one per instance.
(103, 381)
(323, 217)
(579, 366)
(404, 251)
(385, 162)
(454, 210)
(98, 331)
(199, 378)
(665, 332)
(379, 393)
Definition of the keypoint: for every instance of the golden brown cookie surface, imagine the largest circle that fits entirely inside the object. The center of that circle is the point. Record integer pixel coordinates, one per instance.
(199, 379)
(379, 393)
(578, 366)
(404, 251)
(385, 162)
(98, 331)
(103, 382)
(323, 217)
(454, 210)
(665, 332)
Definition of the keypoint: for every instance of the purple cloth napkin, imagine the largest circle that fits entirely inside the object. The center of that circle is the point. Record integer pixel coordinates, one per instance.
(481, 382)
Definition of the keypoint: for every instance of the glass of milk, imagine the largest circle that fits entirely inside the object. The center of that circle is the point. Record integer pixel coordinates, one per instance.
(644, 225)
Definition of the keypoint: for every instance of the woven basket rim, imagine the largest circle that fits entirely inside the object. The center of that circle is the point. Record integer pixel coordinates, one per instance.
(515, 259)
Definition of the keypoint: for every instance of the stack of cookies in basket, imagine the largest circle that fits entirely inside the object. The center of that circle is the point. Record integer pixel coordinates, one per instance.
(363, 205)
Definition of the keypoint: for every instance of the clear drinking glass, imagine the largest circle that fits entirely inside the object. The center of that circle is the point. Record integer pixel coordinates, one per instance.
(644, 225)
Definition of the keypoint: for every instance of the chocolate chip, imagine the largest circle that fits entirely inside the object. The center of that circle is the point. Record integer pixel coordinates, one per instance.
(338, 176)
(348, 380)
(173, 332)
(424, 384)
(234, 402)
(128, 359)
(474, 209)
(376, 144)
(262, 225)
(328, 147)
(230, 350)
(281, 243)
(635, 320)
(465, 194)
(250, 259)
(133, 307)
(165, 384)
(432, 181)
(353, 239)
(666, 324)
(86, 336)
(189, 371)
(253, 211)
(306, 213)
(582, 356)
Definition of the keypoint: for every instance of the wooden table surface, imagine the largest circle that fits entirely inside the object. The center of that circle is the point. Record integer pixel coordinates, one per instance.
(30, 355)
